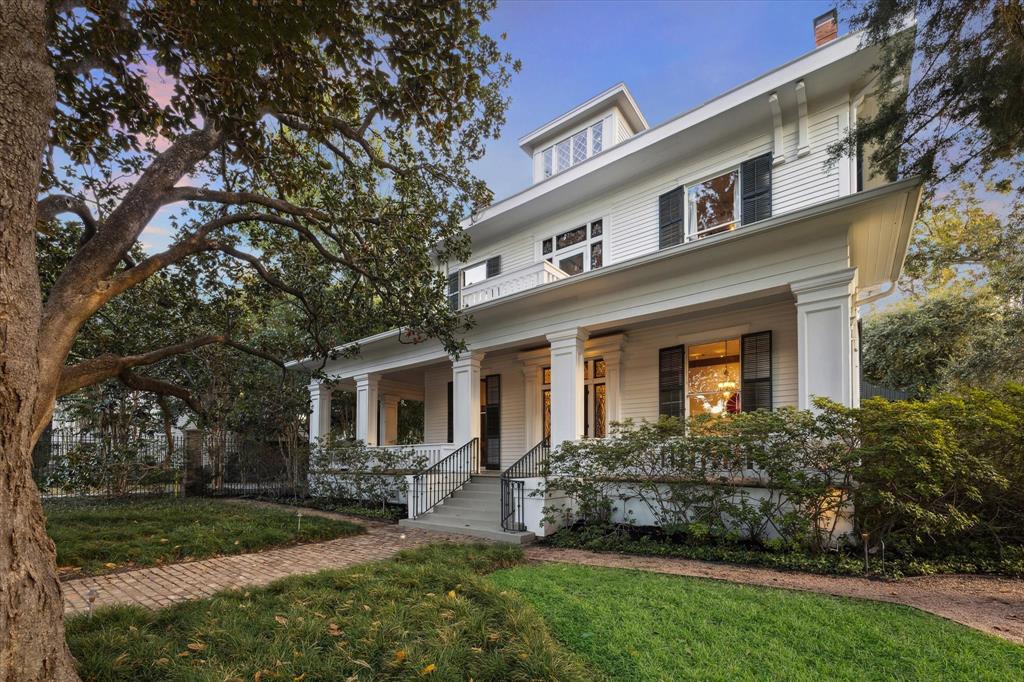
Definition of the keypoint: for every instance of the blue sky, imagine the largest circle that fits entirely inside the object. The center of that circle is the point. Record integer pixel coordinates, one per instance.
(672, 55)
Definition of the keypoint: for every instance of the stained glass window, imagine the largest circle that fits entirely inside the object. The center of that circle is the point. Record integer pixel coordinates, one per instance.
(562, 151)
(574, 236)
(596, 255)
(546, 246)
(596, 228)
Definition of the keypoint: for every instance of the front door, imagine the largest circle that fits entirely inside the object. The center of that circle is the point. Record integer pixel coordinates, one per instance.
(490, 422)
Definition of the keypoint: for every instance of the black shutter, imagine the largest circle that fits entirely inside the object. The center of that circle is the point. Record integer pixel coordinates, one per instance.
(494, 266)
(670, 218)
(671, 381)
(453, 290)
(451, 412)
(493, 421)
(756, 185)
(756, 371)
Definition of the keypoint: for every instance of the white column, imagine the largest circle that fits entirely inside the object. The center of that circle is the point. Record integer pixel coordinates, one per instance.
(319, 411)
(567, 385)
(389, 417)
(366, 408)
(825, 317)
(466, 397)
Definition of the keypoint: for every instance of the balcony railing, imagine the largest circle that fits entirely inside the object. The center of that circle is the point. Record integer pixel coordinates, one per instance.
(433, 452)
(510, 283)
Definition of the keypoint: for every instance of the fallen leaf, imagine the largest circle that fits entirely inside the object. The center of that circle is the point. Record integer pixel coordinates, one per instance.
(299, 678)
(162, 661)
(365, 607)
(429, 669)
(184, 654)
(196, 646)
(451, 594)
(121, 659)
(281, 620)
(164, 540)
(109, 565)
(334, 631)
(400, 655)
(258, 676)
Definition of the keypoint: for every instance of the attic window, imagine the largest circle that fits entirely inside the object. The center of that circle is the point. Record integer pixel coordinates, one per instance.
(574, 149)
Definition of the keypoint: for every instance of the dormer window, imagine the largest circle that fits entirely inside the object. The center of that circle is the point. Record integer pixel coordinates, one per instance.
(574, 149)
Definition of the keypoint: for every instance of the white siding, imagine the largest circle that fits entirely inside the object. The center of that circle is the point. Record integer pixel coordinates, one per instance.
(631, 213)
(435, 403)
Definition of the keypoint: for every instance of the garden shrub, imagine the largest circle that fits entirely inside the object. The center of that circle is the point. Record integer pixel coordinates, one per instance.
(941, 479)
(350, 470)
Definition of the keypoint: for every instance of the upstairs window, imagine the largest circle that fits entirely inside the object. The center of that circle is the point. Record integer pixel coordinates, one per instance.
(721, 203)
(713, 205)
(574, 149)
(577, 250)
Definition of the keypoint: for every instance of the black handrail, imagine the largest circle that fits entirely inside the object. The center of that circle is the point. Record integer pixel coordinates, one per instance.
(527, 466)
(440, 480)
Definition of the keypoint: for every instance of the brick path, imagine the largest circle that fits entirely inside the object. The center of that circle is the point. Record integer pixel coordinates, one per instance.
(164, 585)
(990, 604)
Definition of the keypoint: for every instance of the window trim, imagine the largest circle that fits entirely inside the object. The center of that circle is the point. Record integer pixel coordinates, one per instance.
(462, 273)
(738, 379)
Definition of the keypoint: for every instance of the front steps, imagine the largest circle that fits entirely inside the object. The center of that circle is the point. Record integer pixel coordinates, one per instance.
(474, 509)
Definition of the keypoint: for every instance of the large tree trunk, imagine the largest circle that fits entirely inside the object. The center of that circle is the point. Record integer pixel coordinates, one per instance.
(32, 643)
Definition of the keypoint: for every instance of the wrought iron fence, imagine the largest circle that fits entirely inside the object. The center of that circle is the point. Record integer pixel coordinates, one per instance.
(72, 463)
(442, 479)
(512, 486)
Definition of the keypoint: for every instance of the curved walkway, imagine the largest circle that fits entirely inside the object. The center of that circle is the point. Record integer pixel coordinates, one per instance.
(162, 586)
(993, 605)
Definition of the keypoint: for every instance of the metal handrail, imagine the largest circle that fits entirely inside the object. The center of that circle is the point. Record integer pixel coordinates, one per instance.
(440, 480)
(512, 490)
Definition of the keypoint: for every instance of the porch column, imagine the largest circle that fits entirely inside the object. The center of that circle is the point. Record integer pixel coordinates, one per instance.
(567, 385)
(389, 415)
(825, 318)
(366, 408)
(319, 411)
(466, 397)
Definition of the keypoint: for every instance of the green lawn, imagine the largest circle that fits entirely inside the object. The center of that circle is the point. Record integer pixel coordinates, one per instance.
(102, 536)
(641, 626)
(430, 612)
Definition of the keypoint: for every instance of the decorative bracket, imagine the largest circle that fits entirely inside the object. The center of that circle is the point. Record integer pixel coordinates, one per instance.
(803, 146)
(778, 156)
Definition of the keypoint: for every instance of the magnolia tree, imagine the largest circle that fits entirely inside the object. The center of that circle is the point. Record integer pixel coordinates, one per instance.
(320, 151)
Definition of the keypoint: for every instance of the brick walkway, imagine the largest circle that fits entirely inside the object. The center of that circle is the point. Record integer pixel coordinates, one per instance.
(990, 604)
(164, 585)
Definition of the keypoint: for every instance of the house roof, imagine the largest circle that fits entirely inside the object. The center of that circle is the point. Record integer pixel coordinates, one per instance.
(618, 94)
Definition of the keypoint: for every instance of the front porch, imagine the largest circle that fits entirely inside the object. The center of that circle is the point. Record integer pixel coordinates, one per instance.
(484, 411)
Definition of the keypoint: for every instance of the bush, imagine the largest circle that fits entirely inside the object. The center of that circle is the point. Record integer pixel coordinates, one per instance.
(350, 470)
(759, 477)
(940, 480)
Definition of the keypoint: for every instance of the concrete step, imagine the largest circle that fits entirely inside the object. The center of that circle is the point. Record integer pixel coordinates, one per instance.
(485, 532)
(474, 516)
(459, 502)
(476, 494)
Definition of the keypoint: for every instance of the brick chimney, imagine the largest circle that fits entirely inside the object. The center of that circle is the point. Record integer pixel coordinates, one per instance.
(826, 28)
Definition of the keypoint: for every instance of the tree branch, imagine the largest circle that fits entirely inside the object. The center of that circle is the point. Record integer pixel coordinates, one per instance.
(160, 388)
(243, 198)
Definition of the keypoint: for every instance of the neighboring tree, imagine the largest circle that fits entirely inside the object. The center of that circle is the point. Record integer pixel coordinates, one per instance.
(960, 113)
(962, 323)
(322, 149)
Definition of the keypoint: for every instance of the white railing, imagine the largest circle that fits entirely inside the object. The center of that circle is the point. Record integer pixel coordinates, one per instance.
(510, 283)
(434, 452)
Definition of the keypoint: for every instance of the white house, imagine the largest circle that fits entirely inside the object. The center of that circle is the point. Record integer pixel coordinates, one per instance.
(714, 262)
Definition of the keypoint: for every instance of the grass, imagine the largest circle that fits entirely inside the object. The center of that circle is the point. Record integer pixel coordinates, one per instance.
(103, 536)
(428, 613)
(643, 626)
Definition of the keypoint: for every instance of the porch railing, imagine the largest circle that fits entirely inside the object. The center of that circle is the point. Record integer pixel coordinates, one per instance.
(513, 487)
(433, 452)
(510, 283)
(442, 479)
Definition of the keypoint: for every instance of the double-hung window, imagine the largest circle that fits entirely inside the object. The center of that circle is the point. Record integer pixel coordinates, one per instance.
(713, 205)
(577, 250)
